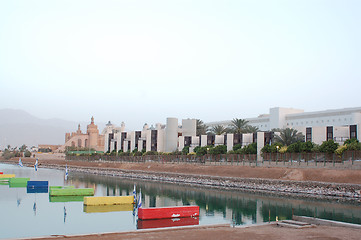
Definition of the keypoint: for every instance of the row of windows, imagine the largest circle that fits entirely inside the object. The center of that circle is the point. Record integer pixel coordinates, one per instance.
(317, 121)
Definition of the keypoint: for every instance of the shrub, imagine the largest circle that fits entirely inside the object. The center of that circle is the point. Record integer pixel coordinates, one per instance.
(249, 149)
(352, 144)
(351, 140)
(271, 148)
(328, 146)
(151, 153)
(27, 154)
(340, 150)
(196, 149)
(283, 149)
(307, 146)
(124, 154)
(185, 150)
(294, 147)
(176, 152)
(237, 146)
(221, 149)
(137, 153)
(7, 154)
(203, 150)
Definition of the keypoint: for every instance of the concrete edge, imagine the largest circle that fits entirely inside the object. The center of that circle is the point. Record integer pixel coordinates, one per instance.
(318, 221)
(256, 225)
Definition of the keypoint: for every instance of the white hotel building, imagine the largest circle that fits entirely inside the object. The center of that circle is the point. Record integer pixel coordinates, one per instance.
(338, 124)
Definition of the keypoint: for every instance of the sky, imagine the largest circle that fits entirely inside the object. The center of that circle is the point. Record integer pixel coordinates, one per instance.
(143, 61)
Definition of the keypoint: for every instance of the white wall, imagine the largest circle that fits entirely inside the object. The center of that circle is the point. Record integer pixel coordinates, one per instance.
(189, 127)
(319, 134)
(278, 116)
(171, 135)
(161, 140)
(229, 142)
(260, 144)
(341, 134)
(148, 139)
(204, 140)
(219, 140)
(247, 138)
(180, 143)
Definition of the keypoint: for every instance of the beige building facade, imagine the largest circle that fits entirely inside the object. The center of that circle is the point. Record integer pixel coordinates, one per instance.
(91, 139)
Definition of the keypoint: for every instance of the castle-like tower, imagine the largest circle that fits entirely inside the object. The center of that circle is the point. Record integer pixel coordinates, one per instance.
(90, 140)
(93, 133)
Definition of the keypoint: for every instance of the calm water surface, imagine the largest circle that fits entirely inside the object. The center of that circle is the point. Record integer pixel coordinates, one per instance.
(35, 214)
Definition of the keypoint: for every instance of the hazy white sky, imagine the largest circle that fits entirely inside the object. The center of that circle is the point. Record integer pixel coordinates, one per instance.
(142, 61)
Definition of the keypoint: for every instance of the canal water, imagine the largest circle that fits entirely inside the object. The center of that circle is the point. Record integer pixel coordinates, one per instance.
(26, 214)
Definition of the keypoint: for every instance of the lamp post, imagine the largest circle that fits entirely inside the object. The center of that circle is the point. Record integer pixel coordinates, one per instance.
(277, 154)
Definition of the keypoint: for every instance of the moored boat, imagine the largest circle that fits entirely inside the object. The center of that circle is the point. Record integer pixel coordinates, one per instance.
(66, 198)
(168, 212)
(70, 191)
(108, 208)
(108, 200)
(18, 182)
(167, 222)
(6, 177)
(38, 184)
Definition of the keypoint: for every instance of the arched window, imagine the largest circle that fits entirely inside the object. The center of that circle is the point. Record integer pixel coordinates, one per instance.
(73, 144)
(79, 142)
(86, 143)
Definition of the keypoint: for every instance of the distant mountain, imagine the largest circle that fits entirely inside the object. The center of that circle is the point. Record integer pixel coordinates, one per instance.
(18, 127)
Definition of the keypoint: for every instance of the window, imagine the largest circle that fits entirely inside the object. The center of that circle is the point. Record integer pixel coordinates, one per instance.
(309, 134)
(353, 131)
(329, 135)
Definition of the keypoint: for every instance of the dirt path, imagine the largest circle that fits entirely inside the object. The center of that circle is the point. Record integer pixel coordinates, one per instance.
(279, 173)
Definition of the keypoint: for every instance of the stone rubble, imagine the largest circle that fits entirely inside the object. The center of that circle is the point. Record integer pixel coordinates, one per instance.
(296, 189)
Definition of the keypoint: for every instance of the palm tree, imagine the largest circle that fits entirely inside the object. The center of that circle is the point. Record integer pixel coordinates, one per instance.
(219, 130)
(202, 128)
(238, 125)
(250, 129)
(288, 136)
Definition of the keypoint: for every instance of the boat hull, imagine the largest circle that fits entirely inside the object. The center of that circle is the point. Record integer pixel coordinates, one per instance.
(108, 208)
(72, 192)
(92, 201)
(168, 212)
(167, 222)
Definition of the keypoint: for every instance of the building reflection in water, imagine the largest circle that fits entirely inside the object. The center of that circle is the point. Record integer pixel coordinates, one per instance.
(235, 206)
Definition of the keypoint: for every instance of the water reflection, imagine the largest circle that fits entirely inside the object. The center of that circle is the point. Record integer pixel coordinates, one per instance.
(67, 215)
(235, 206)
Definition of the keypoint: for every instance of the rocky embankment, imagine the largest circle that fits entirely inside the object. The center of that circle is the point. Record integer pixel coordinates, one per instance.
(342, 192)
(297, 189)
